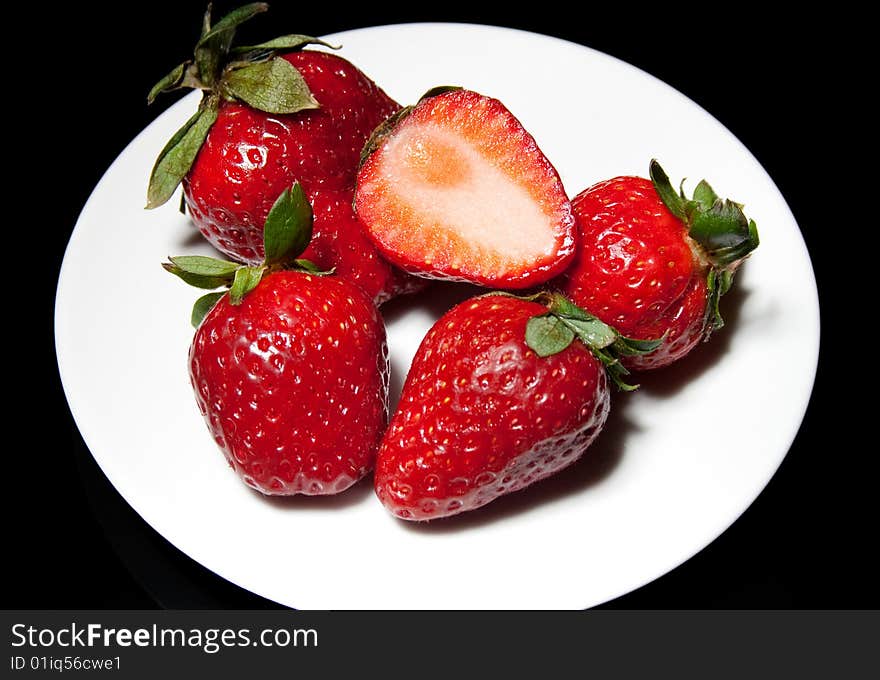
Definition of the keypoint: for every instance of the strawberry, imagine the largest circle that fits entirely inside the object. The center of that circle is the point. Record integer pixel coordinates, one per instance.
(249, 156)
(455, 188)
(271, 114)
(340, 243)
(654, 263)
(289, 367)
(498, 397)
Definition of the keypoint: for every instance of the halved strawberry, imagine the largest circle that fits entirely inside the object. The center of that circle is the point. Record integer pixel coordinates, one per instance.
(455, 188)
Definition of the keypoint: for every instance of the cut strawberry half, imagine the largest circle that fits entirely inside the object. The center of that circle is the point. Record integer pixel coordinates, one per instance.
(455, 188)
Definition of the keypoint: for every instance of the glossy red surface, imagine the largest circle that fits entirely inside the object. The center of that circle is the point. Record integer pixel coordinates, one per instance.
(636, 270)
(481, 415)
(293, 383)
(250, 157)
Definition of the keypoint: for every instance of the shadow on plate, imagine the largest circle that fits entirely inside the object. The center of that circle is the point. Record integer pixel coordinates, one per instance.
(187, 236)
(436, 299)
(667, 382)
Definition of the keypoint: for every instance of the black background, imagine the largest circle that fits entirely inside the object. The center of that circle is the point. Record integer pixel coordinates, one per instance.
(75, 83)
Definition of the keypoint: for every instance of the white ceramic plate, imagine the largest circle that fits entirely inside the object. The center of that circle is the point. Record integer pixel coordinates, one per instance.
(679, 461)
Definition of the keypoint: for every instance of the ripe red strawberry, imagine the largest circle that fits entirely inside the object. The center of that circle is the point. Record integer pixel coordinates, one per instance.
(250, 156)
(340, 243)
(498, 397)
(289, 367)
(455, 188)
(271, 114)
(652, 262)
(293, 382)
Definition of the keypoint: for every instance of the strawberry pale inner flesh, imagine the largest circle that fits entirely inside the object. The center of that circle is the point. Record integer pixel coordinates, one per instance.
(463, 192)
(466, 213)
(432, 161)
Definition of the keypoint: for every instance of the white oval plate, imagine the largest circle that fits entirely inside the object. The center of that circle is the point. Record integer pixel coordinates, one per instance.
(679, 461)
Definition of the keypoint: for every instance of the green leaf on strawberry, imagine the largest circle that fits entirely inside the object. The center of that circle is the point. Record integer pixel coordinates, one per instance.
(202, 306)
(592, 331)
(673, 201)
(552, 332)
(177, 157)
(201, 265)
(288, 227)
(272, 86)
(548, 335)
(286, 234)
(284, 42)
(200, 271)
(309, 266)
(169, 82)
(704, 195)
(213, 45)
(246, 279)
(252, 75)
(230, 21)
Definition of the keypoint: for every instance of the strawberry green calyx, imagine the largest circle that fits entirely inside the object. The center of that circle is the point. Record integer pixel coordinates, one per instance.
(721, 235)
(202, 306)
(180, 152)
(286, 234)
(254, 74)
(553, 331)
(272, 86)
